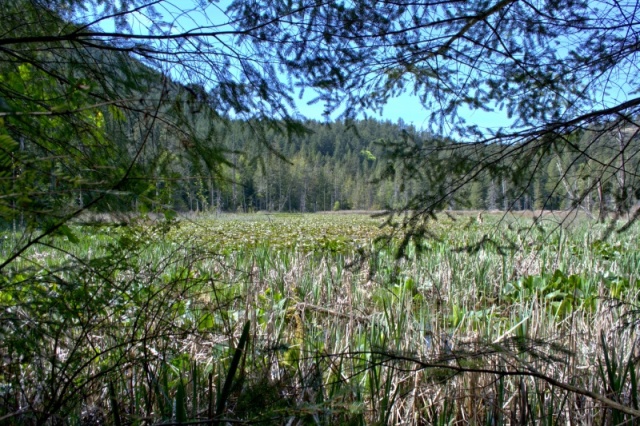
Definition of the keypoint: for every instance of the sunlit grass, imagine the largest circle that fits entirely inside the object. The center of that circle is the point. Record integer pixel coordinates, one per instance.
(341, 330)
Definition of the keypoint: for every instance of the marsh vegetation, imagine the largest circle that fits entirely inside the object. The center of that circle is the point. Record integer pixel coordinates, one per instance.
(312, 319)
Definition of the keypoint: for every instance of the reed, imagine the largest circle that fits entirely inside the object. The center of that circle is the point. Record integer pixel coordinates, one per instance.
(309, 319)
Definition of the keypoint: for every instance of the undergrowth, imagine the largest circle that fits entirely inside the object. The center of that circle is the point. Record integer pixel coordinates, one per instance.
(311, 320)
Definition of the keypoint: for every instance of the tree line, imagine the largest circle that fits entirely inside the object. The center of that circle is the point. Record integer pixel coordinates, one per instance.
(104, 121)
(168, 150)
(353, 165)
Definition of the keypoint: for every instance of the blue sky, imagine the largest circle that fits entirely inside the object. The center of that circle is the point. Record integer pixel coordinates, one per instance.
(406, 107)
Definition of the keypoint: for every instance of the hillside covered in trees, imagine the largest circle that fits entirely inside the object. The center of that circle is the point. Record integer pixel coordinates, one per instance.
(168, 150)
(100, 127)
(332, 166)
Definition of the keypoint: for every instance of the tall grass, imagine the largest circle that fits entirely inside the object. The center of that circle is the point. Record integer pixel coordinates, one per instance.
(306, 319)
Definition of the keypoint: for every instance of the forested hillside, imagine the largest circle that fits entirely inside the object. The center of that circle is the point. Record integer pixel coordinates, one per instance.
(98, 128)
(336, 165)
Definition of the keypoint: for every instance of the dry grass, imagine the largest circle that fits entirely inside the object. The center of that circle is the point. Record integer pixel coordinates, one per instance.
(337, 337)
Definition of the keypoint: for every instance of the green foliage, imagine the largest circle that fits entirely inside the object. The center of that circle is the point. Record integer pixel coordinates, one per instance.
(560, 140)
(137, 121)
(559, 292)
(180, 403)
(148, 309)
(233, 368)
(619, 375)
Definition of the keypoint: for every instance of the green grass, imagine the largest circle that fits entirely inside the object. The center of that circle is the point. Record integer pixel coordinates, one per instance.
(464, 329)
